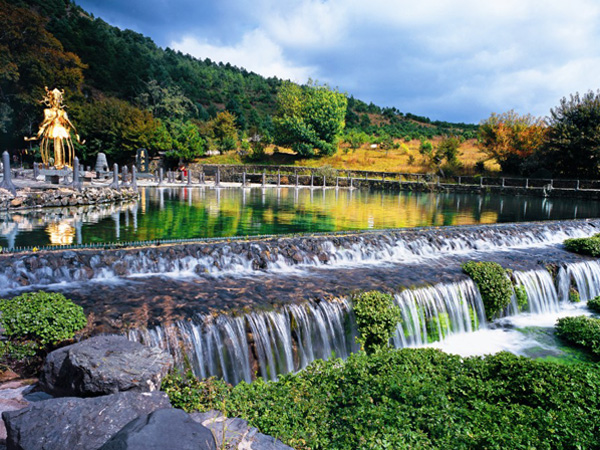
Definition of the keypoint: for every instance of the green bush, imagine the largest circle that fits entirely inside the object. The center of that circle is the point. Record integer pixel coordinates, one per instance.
(522, 300)
(581, 330)
(574, 296)
(493, 283)
(584, 246)
(426, 399)
(190, 394)
(594, 304)
(376, 318)
(41, 317)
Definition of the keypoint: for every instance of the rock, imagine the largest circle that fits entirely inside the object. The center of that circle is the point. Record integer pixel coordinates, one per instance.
(236, 433)
(77, 423)
(16, 202)
(104, 365)
(160, 430)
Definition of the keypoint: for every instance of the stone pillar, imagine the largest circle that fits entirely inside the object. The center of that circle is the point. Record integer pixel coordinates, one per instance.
(7, 179)
(337, 182)
(296, 179)
(577, 187)
(134, 185)
(503, 182)
(264, 178)
(481, 182)
(189, 177)
(324, 181)
(115, 182)
(218, 179)
(161, 176)
(526, 183)
(124, 177)
(76, 184)
(36, 171)
(278, 179)
(312, 180)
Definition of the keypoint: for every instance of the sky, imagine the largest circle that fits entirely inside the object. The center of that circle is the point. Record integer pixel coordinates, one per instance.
(452, 60)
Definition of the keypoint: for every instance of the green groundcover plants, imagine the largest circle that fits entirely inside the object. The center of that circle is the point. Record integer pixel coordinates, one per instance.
(414, 399)
(581, 330)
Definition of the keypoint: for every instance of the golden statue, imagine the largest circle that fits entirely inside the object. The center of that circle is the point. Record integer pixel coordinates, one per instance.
(56, 127)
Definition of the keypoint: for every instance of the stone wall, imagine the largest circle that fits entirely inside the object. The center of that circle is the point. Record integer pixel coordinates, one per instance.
(36, 198)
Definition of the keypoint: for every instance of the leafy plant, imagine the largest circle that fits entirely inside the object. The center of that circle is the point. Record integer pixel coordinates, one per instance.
(493, 283)
(594, 304)
(376, 317)
(191, 394)
(574, 295)
(42, 317)
(585, 246)
(581, 330)
(426, 399)
(522, 300)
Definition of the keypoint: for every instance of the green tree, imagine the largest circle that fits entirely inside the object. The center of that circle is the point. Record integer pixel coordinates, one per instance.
(356, 138)
(188, 144)
(310, 119)
(223, 132)
(573, 142)
(166, 102)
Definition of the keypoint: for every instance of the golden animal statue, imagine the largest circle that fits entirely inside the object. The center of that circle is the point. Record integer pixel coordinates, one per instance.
(56, 127)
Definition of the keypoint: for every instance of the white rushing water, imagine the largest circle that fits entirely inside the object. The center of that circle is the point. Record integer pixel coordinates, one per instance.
(449, 316)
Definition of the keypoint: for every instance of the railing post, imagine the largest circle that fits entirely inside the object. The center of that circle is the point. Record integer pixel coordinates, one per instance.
(189, 177)
(278, 179)
(577, 187)
(296, 178)
(502, 182)
(481, 182)
(552, 184)
(134, 185)
(337, 182)
(218, 180)
(244, 179)
(312, 179)
(459, 180)
(324, 181)
(264, 178)
(36, 171)
(526, 183)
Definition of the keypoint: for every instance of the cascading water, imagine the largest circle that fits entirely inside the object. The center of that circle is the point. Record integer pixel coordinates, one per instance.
(267, 344)
(246, 257)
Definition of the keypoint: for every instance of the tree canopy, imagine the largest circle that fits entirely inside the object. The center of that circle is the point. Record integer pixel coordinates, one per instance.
(310, 118)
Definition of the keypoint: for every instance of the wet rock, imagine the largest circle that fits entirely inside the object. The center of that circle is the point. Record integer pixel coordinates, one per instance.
(104, 365)
(76, 423)
(160, 430)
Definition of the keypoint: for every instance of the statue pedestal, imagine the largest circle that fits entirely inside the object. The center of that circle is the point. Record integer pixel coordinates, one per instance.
(53, 175)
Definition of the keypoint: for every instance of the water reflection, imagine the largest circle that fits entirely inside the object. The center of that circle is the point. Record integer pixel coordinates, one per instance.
(172, 213)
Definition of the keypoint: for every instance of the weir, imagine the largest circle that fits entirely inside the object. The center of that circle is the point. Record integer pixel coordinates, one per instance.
(267, 344)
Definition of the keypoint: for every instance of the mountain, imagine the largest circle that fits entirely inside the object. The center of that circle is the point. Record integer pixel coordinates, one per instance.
(124, 91)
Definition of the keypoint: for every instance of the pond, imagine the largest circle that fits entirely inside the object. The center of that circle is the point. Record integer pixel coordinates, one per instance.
(189, 213)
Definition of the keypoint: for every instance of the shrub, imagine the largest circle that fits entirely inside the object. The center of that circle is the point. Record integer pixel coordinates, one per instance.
(376, 318)
(574, 296)
(594, 304)
(584, 246)
(426, 399)
(42, 317)
(522, 300)
(190, 394)
(581, 330)
(493, 283)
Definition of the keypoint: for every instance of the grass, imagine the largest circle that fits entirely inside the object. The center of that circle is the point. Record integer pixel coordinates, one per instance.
(406, 159)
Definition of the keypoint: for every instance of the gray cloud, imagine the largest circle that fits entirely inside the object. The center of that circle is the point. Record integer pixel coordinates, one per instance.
(455, 60)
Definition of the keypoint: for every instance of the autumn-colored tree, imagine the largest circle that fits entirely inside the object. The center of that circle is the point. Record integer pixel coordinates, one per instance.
(510, 138)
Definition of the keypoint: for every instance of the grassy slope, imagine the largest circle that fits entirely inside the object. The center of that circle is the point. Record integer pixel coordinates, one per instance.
(365, 158)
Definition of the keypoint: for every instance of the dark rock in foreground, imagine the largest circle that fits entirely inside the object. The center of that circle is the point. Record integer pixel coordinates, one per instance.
(75, 423)
(236, 433)
(104, 365)
(162, 429)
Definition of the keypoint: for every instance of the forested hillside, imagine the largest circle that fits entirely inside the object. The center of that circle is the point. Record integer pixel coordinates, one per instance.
(124, 92)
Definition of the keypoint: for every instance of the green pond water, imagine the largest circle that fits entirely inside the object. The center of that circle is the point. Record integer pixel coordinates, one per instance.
(186, 213)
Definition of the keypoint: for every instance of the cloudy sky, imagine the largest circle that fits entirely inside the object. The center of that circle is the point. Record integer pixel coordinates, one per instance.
(454, 60)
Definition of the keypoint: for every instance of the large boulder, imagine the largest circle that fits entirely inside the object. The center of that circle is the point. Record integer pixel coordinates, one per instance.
(235, 433)
(162, 429)
(104, 365)
(77, 423)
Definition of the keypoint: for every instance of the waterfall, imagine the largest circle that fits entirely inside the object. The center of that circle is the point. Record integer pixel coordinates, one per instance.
(542, 294)
(432, 313)
(585, 276)
(240, 257)
(271, 343)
